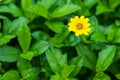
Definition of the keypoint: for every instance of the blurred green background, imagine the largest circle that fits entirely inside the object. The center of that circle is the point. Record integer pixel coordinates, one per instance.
(35, 43)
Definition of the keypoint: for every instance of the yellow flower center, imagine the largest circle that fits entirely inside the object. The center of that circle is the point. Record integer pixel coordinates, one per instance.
(79, 26)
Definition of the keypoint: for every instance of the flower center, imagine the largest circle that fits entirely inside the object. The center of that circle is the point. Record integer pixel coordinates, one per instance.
(79, 26)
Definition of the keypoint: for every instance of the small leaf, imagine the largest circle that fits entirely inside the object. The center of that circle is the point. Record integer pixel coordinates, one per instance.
(55, 77)
(39, 47)
(9, 54)
(26, 4)
(56, 60)
(94, 23)
(23, 64)
(6, 26)
(40, 35)
(117, 76)
(5, 39)
(55, 26)
(11, 8)
(78, 62)
(90, 3)
(30, 73)
(116, 38)
(117, 22)
(101, 76)
(7, 29)
(28, 55)
(105, 58)
(6, 1)
(88, 57)
(39, 10)
(67, 70)
(101, 8)
(47, 3)
(71, 40)
(98, 35)
(110, 30)
(114, 3)
(58, 39)
(11, 75)
(64, 10)
(24, 37)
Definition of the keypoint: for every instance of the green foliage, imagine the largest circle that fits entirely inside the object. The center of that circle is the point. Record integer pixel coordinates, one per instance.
(24, 37)
(12, 9)
(39, 47)
(12, 74)
(101, 76)
(64, 10)
(55, 26)
(88, 57)
(105, 58)
(35, 43)
(9, 54)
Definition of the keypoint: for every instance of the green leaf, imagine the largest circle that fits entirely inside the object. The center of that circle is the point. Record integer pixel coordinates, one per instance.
(101, 76)
(26, 4)
(117, 22)
(78, 62)
(58, 39)
(64, 10)
(30, 73)
(116, 38)
(47, 3)
(98, 35)
(7, 29)
(11, 75)
(110, 30)
(88, 57)
(12, 9)
(24, 37)
(67, 70)
(6, 26)
(101, 8)
(16, 24)
(39, 10)
(71, 40)
(28, 55)
(94, 23)
(23, 64)
(117, 76)
(55, 26)
(39, 47)
(114, 3)
(40, 35)
(90, 3)
(5, 39)
(105, 58)
(56, 60)
(84, 11)
(3, 17)
(55, 77)
(6, 1)
(9, 54)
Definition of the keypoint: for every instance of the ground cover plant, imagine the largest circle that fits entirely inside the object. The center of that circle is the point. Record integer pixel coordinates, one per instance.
(59, 39)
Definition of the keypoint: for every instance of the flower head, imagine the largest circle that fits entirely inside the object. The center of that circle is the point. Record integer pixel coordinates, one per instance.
(79, 25)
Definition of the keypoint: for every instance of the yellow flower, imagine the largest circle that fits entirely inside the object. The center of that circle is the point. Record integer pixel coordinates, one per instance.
(79, 25)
